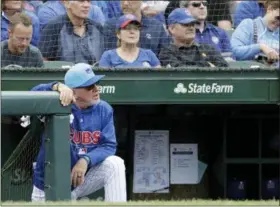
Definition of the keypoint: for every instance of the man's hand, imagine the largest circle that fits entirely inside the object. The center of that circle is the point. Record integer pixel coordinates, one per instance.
(78, 172)
(66, 94)
(271, 54)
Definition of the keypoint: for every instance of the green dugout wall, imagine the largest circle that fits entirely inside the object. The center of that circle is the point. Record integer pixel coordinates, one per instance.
(232, 114)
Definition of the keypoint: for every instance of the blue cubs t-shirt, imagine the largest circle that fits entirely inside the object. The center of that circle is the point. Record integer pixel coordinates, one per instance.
(146, 59)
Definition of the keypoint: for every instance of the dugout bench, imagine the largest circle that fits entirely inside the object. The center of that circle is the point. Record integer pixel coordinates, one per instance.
(232, 114)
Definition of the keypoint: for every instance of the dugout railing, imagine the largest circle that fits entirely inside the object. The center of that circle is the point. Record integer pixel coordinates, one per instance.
(231, 113)
(14, 103)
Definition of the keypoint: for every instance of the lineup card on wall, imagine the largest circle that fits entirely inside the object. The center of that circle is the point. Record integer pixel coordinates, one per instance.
(151, 162)
(184, 164)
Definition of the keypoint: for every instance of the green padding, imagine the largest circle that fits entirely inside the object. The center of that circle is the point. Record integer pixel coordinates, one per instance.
(31, 103)
(246, 64)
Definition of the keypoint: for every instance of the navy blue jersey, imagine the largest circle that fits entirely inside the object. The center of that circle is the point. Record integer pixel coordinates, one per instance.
(92, 133)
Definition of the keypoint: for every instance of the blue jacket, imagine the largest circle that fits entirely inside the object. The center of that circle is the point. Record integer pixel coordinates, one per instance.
(92, 133)
(242, 41)
(52, 9)
(247, 10)
(35, 23)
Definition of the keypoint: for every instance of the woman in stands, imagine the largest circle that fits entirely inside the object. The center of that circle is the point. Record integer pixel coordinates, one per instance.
(258, 38)
(128, 54)
(10, 8)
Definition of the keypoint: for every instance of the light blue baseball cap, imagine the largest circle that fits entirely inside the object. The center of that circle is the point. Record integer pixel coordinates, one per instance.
(81, 75)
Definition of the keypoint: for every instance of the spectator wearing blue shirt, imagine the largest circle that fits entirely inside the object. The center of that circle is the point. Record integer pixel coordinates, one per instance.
(52, 9)
(73, 37)
(207, 33)
(259, 36)
(9, 9)
(248, 10)
(153, 35)
(128, 55)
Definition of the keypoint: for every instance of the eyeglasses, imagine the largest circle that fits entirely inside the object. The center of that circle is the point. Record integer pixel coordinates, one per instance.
(198, 4)
(21, 39)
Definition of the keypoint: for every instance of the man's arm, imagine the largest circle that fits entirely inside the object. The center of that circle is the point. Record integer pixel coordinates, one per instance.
(243, 47)
(66, 95)
(46, 87)
(108, 141)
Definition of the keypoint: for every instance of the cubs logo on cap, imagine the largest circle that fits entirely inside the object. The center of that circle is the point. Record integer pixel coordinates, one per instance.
(126, 20)
(81, 75)
(180, 16)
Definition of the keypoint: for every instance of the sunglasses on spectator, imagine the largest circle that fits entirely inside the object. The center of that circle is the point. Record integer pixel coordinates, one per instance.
(198, 4)
(277, 18)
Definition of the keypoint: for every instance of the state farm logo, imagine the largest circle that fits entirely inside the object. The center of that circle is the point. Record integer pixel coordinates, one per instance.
(204, 88)
(180, 88)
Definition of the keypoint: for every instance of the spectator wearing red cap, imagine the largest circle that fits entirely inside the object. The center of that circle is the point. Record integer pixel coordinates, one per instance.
(128, 54)
(153, 35)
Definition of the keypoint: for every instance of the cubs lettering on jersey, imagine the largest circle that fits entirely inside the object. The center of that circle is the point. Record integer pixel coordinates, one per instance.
(84, 137)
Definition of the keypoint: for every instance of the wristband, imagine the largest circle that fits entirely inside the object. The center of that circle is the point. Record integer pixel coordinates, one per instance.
(57, 86)
(87, 159)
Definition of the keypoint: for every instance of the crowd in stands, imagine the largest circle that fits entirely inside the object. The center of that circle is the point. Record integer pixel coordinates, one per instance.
(142, 34)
